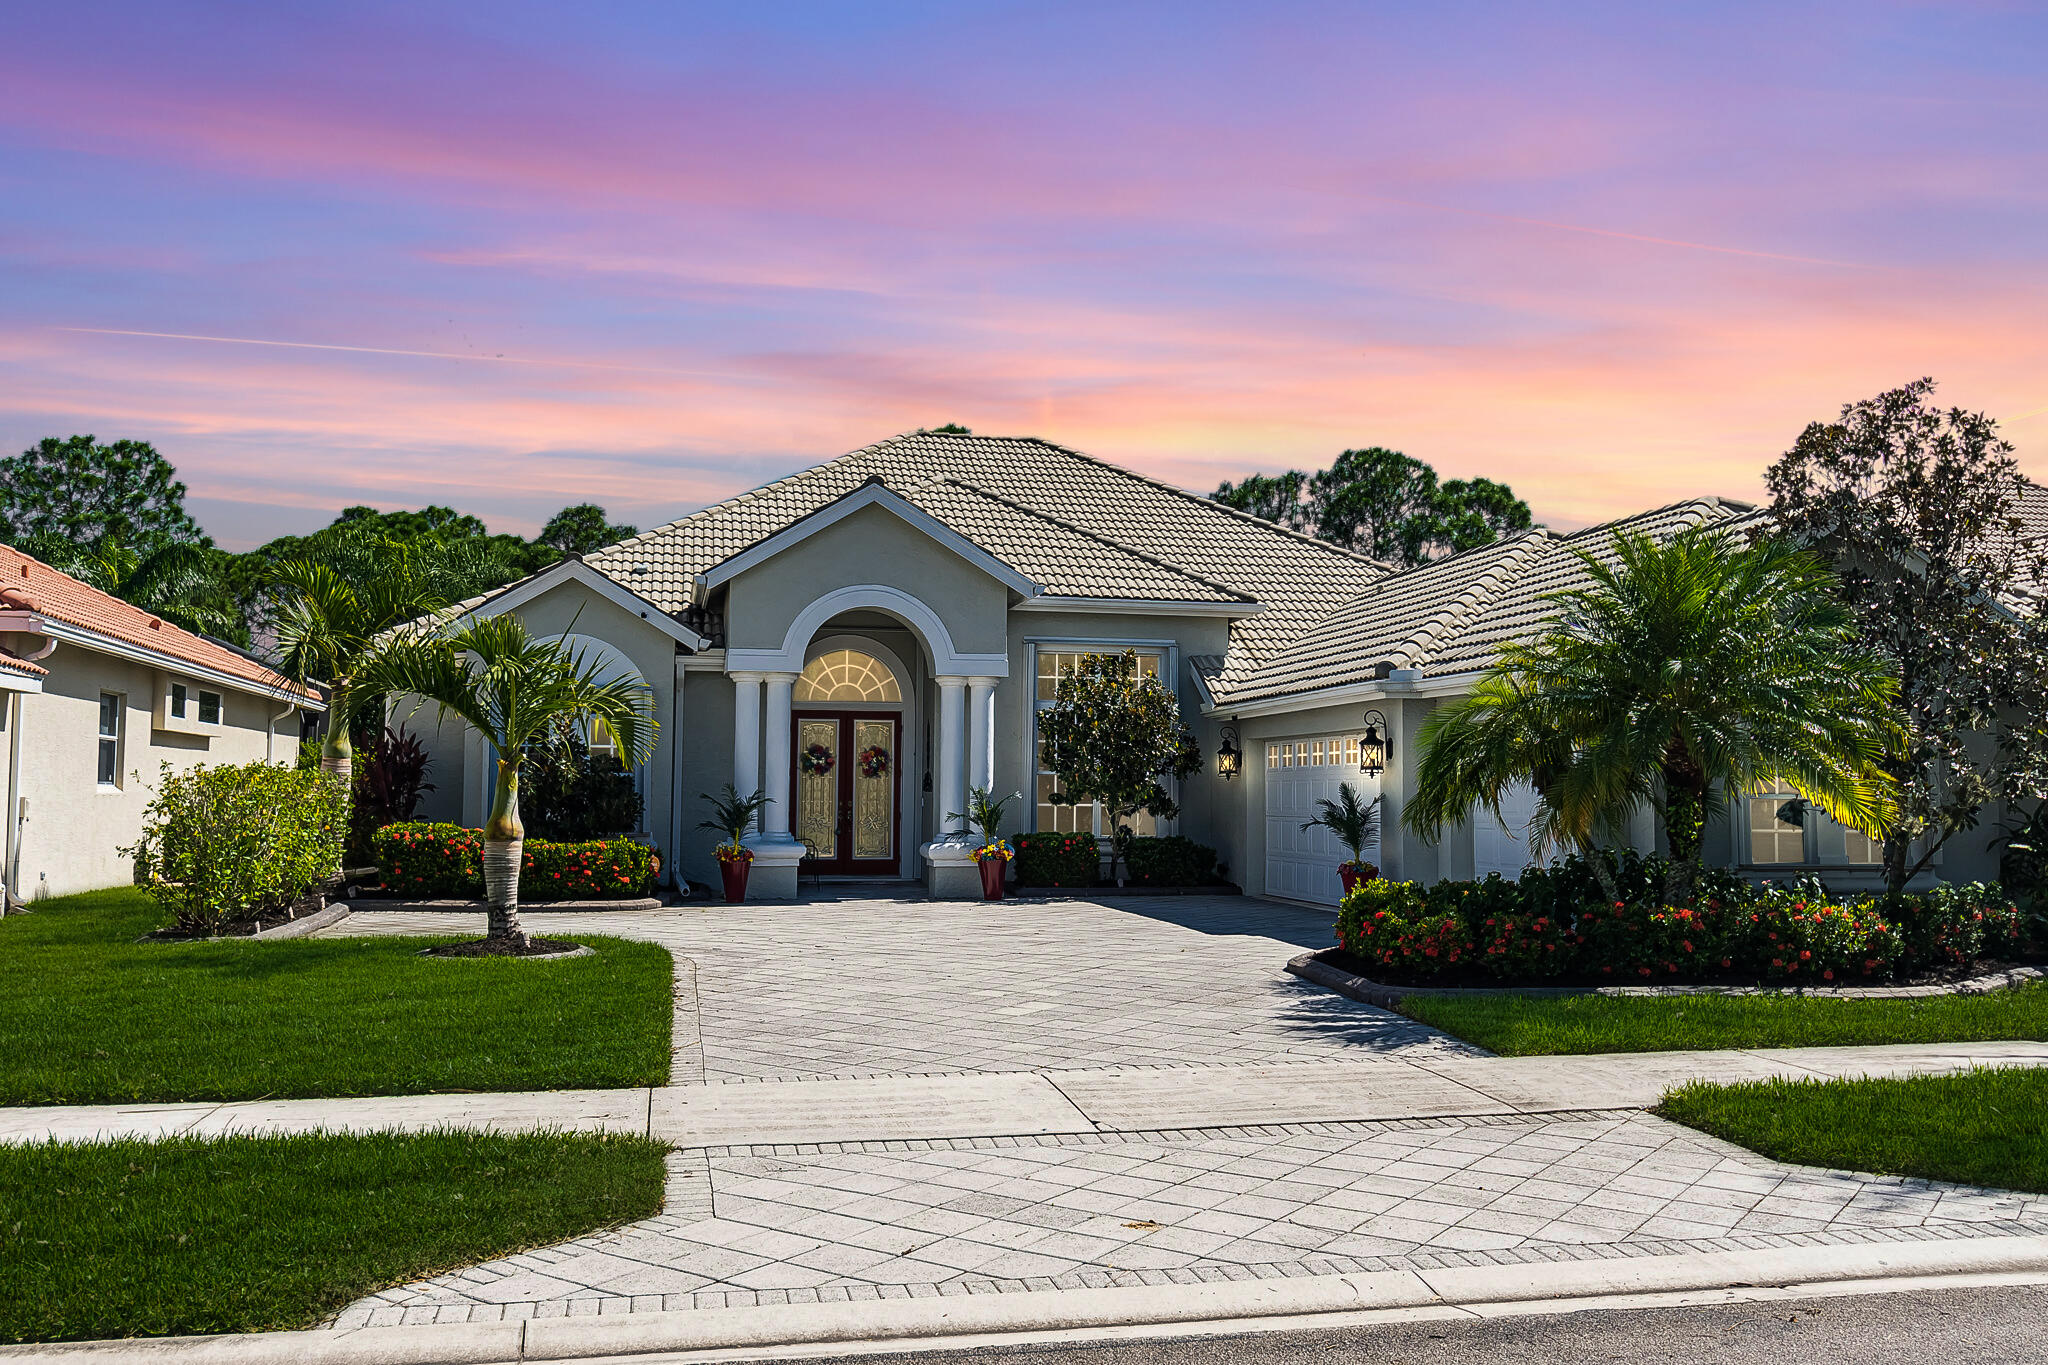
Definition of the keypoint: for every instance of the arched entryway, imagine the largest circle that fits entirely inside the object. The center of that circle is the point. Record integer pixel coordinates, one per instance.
(848, 751)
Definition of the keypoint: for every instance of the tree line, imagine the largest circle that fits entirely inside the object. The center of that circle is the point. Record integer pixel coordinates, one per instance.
(113, 515)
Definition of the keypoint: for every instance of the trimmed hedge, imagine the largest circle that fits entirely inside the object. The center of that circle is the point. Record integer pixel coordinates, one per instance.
(1555, 923)
(1175, 860)
(1049, 858)
(432, 861)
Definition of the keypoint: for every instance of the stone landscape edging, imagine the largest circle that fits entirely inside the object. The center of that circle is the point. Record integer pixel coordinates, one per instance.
(1315, 969)
(333, 913)
(919, 1321)
(377, 904)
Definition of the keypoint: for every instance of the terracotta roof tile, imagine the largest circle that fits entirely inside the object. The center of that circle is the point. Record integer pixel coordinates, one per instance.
(28, 583)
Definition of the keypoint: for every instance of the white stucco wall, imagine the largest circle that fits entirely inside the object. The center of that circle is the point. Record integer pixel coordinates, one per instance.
(75, 828)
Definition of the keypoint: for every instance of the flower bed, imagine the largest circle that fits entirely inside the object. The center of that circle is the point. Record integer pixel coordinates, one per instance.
(1558, 926)
(1048, 858)
(432, 861)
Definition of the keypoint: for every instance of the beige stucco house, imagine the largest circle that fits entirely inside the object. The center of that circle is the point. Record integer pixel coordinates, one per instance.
(901, 613)
(95, 695)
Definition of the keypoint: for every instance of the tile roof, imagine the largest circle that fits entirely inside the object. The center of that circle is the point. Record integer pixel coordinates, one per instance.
(1452, 615)
(1172, 538)
(10, 662)
(26, 583)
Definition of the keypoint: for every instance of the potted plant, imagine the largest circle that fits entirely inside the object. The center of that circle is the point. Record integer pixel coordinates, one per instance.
(733, 815)
(1356, 823)
(985, 813)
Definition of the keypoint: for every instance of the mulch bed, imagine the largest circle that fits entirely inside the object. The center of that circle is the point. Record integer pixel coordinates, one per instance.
(504, 947)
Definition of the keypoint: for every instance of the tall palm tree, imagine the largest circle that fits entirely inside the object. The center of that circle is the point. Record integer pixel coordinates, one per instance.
(510, 686)
(173, 579)
(1686, 669)
(329, 618)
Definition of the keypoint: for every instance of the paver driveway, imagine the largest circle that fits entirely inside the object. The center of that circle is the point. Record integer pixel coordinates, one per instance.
(885, 987)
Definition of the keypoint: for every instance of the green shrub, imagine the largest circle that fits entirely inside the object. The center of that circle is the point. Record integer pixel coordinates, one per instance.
(1389, 926)
(1951, 925)
(1633, 942)
(1049, 858)
(1790, 938)
(1171, 861)
(1367, 902)
(222, 843)
(1525, 947)
(425, 861)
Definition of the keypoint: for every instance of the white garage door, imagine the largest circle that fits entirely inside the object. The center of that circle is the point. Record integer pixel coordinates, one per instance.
(1302, 864)
(1502, 845)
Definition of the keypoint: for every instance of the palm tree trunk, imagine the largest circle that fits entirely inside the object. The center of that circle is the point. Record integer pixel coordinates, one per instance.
(504, 854)
(337, 753)
(1685, 822)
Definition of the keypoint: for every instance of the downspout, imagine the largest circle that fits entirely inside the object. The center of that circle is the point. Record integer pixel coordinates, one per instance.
(270, 732)
(675, 798)
(14, 817)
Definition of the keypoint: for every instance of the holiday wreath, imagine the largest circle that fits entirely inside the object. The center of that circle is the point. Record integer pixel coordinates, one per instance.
(874, 761)
(817, 760)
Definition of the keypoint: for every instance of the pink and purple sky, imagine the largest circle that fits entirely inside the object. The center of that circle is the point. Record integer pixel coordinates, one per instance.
(512, 256)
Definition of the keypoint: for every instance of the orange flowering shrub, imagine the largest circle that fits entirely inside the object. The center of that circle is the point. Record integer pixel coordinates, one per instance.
(421, 861)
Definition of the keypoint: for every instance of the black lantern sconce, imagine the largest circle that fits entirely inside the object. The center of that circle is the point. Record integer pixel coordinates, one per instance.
(1229, 758)
(1372, 746)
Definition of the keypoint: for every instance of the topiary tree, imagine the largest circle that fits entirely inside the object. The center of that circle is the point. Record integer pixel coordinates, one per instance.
(1111, 735)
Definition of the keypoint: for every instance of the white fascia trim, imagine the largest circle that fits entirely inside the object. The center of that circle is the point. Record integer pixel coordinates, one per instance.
(19, 682)
(704, 661)
(1139, 606)
(1379, 689)
(605, 586)
(170, 663)
(869, 495)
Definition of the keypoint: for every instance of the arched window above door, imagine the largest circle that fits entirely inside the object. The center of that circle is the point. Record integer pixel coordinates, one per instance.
(844, 675)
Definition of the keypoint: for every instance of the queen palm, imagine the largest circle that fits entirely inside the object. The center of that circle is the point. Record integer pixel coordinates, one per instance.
(1355, 823)
(510, 687)
(1685, 669)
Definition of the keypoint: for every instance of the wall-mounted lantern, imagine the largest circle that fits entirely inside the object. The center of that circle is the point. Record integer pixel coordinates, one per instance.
(1372, 745)
(1229, 758)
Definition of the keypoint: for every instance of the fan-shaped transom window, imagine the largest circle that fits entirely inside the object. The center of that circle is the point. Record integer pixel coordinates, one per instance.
(847, 675)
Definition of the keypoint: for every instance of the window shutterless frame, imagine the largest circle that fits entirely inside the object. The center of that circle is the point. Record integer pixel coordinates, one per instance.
(1163, 654)
(109, 755)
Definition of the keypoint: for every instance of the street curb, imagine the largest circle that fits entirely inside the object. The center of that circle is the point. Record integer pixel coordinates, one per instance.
(1470, 1288)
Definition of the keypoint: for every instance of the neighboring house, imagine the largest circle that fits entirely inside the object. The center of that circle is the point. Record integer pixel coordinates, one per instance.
(95, 694)
(868, 639)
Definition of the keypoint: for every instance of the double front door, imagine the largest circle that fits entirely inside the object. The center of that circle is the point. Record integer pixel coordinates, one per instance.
(849, 787)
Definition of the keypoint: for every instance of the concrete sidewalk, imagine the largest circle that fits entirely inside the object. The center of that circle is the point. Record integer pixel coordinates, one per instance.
(1015, 1104)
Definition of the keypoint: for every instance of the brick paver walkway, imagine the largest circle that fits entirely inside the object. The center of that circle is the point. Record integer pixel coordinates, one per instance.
(882, 988)
(865, 988)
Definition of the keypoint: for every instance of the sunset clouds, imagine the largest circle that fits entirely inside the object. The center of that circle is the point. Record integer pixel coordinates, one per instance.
(529, 255)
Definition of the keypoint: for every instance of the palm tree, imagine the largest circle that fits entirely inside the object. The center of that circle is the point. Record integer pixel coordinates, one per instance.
(1686, 669)
(331, 618)
(510, 686)
(171, 580)
(1356, 823)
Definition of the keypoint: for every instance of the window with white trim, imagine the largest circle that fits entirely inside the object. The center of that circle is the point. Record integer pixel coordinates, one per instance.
(1054, 663)
(1783, 829)
(109, 757)
(209, 708)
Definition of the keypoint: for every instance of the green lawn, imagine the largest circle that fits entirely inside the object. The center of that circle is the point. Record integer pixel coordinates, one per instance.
(1979, 1128)
(243, 1234)
(1521, 1026)
(89, 1016)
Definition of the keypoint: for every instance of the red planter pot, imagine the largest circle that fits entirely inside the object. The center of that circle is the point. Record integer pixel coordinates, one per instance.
(1352, 874)
(992, 878)
(735, 875)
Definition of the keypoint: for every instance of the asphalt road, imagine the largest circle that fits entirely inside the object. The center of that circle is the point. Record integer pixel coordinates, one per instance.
(1981, 1326)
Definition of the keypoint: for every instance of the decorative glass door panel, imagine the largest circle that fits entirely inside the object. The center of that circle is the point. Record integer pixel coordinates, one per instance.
(874, 789)
(817, 787)
(849, 791)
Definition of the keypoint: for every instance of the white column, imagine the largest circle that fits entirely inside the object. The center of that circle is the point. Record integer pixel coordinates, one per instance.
(775, 759)
(746, 732)
(952, 756)
(981, 732)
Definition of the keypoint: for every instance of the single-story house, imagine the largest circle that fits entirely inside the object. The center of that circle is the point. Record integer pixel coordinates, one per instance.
(868, 639)
(96, 694)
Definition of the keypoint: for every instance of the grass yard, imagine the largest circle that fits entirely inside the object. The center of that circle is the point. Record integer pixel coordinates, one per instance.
(90, 1016)
(194, 1235)
(1524, 1026)
(1978, 1128)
